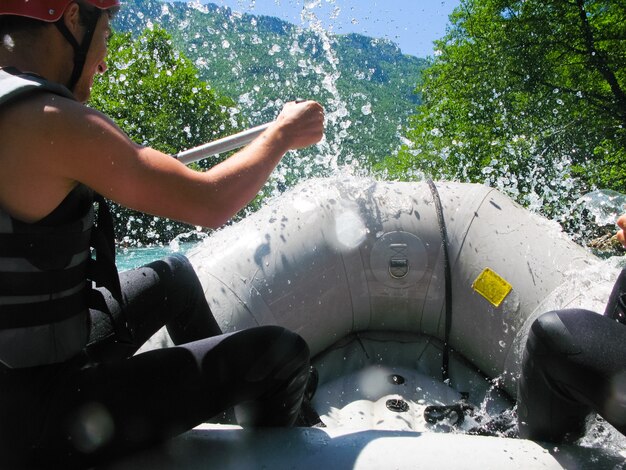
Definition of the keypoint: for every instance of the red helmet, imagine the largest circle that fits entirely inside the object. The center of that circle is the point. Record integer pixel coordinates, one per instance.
(47, 10)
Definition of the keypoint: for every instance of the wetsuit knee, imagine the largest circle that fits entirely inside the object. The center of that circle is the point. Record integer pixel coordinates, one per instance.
(276, 365)
(287, 353)
(549, 335)
(573, 365)
(180, 268)
(192, 319)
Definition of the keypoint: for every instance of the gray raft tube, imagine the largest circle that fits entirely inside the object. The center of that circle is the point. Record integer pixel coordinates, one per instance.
(333, 257)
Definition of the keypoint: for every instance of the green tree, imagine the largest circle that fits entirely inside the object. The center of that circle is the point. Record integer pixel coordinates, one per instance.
(154, 94)
(527, 96)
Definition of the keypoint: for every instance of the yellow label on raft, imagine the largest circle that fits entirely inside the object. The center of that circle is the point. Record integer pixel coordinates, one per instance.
(492, 287)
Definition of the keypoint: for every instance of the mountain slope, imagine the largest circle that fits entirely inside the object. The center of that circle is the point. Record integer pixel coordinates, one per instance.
(365, 84)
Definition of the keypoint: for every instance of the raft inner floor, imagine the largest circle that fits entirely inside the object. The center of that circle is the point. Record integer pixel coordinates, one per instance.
(357, 377)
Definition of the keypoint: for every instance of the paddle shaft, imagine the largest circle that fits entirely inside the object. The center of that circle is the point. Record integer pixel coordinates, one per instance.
(225, 144)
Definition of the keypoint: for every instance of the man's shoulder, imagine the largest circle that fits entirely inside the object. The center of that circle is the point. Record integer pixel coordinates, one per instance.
(39, 110)
(29, 100)
(41, 124)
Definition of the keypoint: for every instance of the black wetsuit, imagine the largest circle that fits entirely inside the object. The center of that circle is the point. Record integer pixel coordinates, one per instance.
(106, 401)
(574, 364)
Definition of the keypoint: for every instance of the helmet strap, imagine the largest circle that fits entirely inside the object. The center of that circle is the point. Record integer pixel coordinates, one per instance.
(80, 50)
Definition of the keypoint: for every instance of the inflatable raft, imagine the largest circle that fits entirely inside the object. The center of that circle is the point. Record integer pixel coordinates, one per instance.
(409, 295)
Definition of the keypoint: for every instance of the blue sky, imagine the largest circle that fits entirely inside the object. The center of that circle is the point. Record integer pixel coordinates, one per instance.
(412, 24)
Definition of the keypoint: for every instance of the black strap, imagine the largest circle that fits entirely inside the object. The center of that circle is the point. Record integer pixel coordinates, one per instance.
(454, 414)
(447, 277)
(80, 50)
(103, 270)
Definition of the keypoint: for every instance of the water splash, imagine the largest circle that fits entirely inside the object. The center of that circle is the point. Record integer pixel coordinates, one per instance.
(600, 434)
(604, 205)
(336, 108)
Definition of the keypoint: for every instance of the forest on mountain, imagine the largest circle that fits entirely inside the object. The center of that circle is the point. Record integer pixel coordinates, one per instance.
(366, 85)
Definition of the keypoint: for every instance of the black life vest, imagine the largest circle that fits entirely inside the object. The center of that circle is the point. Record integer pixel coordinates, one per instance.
(46, 272)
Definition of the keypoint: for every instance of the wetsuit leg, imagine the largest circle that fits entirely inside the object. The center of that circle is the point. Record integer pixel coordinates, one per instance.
(574, 364)
(107, 409)
(165, 292)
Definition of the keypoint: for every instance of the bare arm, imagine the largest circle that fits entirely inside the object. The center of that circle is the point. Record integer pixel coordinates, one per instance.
(82, 145)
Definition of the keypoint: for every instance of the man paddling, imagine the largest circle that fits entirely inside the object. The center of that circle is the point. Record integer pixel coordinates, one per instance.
(73, 392)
